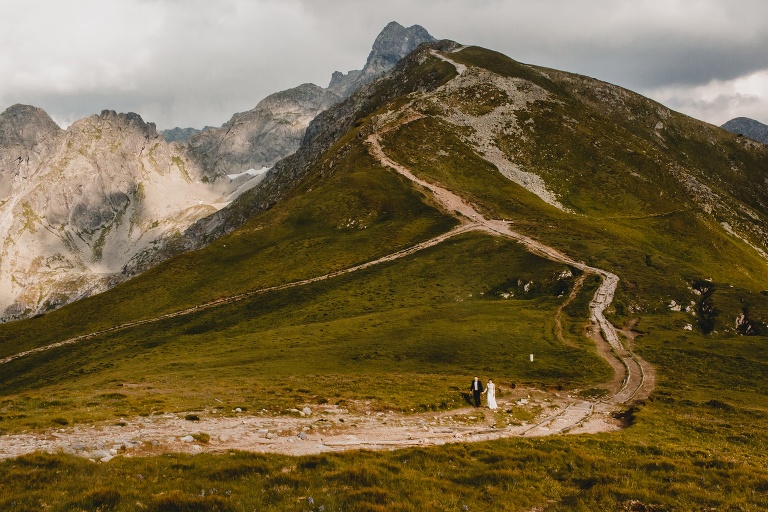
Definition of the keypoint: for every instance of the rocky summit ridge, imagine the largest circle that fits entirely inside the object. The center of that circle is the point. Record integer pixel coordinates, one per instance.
(392, 44)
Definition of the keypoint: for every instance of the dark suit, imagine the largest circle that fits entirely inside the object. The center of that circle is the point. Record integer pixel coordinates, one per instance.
(477, 389)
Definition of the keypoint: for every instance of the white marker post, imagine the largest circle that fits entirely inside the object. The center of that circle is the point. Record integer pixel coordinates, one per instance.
(531, 357)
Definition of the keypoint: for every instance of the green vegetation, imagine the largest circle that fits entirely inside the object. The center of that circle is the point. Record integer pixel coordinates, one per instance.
(430, 319)
(178, 162)
(473, 303)
(661, 466)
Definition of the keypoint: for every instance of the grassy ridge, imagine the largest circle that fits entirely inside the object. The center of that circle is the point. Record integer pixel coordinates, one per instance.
(310, 235)
(438, 313)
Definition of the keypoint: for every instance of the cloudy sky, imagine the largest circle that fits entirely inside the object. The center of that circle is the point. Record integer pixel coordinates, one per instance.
(196, 62)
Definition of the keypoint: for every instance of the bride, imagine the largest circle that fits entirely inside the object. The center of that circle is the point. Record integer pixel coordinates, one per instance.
(491, 390)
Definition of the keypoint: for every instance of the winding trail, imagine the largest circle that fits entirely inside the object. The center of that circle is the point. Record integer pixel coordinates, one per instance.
(634, 369)
(329, 428)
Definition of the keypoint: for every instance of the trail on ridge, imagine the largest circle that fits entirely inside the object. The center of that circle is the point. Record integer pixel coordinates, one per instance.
(331, 428)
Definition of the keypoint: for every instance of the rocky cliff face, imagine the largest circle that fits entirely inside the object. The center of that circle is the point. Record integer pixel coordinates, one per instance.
(262, 136)
(78, 204)
(27, 136)
(392, 44)
(747, 127)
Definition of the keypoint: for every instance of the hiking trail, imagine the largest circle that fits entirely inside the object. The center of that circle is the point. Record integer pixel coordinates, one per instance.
(328, 428)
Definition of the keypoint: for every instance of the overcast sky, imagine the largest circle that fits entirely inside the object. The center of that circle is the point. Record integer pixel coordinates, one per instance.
(197, 62)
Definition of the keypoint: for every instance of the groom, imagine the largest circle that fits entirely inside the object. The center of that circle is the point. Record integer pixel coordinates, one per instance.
(477, 389)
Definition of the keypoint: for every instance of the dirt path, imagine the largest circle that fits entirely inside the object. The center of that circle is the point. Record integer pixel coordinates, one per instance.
(329, 428)
(321, 429)
(245, 295)
(635, 381)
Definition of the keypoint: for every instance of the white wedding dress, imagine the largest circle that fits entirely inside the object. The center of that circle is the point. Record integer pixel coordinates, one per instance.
(491, 390)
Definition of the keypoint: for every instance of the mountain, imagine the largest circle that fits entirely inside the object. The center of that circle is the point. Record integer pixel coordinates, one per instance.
(262, 136)
(178, 134)
(27, 136)
(456, 216)
(392, 44)
(747, 127)
(77, 205)
(274, 128)
(86, 208)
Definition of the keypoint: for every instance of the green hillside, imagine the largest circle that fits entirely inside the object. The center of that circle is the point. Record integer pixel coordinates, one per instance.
(669, 204)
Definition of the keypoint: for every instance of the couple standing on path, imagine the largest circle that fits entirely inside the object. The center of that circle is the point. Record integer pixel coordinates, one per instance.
(477, 389)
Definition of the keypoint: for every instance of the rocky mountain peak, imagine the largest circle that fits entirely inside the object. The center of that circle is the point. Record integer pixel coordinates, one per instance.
(262, 136)
(27, 136)
(26, 125)
(126, 120)
(747, 127)
(392, 44)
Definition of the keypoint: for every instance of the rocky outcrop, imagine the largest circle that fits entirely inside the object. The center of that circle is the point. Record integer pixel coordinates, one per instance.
(392, 44)
(82, 202)
(179, 134)
(27, 136)
(747, 127)
(262, 136)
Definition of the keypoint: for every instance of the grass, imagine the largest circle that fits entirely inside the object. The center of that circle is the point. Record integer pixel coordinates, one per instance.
(659, 466)
(438, 304)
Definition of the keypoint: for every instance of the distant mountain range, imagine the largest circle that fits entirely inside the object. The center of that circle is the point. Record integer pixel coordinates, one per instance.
(82, 209)
(747, 127)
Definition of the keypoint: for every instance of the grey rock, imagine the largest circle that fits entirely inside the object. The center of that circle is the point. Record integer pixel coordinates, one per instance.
(178, 134)
(392, 44)
(100, 454)
(307, 411)
(262, 136)
(77, 205)
(303, 436)
(187, 439)
(27, 136)
(747, 127)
